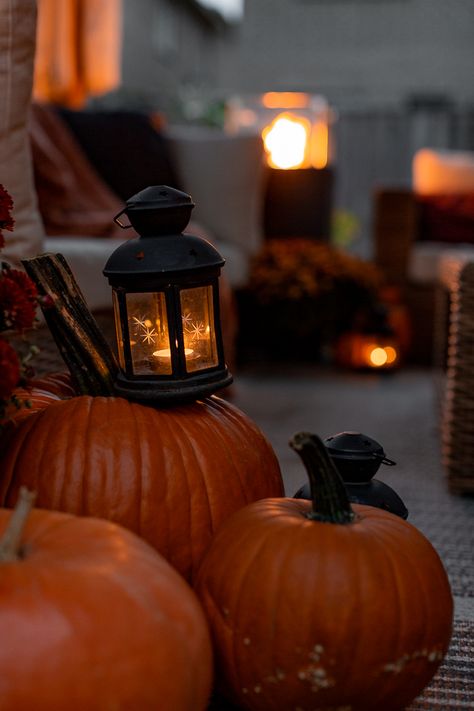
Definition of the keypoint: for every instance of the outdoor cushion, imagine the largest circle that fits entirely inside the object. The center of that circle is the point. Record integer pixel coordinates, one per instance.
(17, 48)
(125, 148)
(73, 199)
(446, 218)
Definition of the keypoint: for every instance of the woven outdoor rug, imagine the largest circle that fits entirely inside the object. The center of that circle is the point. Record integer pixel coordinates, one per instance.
(401, 411)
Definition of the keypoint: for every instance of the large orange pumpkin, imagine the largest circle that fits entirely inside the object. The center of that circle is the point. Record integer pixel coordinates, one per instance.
(321, 606)
(171, 475)
(92, 618)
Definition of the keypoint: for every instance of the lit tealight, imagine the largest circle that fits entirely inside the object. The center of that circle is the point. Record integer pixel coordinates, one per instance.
(378, 356)
(165, 353)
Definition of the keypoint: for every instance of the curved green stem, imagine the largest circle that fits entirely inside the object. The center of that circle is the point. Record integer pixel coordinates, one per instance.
(328, 493)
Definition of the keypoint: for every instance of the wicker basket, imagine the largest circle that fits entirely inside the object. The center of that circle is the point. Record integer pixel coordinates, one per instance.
(457, 411)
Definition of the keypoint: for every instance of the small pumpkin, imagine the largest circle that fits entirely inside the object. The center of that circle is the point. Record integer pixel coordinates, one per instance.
(93, 618)
(40, 393)
(57, 383)
(320, 605)
(170, 475)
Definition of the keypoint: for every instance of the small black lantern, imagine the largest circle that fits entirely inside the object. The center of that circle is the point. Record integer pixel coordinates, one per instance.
(166, 303)
(357, 458)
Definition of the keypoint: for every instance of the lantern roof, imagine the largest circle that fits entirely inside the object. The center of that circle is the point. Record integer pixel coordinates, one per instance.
(159, 214)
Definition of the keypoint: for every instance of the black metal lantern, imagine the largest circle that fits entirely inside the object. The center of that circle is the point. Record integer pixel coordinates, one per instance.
(357, 459)
(166, 303)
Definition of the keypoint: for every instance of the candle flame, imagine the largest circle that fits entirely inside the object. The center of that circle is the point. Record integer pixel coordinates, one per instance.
(292, 142)
(285, 141)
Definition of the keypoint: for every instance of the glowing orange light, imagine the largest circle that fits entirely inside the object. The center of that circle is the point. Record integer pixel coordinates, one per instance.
(392, 354)
(286, 142)
(319, 145)
(291, 142)
(378, 356)
(285, 100)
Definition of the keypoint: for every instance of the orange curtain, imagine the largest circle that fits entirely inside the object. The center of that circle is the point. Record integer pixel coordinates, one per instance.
(78, 50)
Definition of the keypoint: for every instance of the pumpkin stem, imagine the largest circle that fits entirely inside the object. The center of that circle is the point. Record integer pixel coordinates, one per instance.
(328, 493)
(90, 359)
(10, 548)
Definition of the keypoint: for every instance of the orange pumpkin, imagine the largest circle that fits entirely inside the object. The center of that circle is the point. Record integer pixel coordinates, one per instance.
(171, 475)
(321, 606)
(40, 393)
(93, 618)
(59, 384)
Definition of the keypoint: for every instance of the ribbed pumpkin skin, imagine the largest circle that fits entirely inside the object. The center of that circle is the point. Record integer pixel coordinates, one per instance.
(309, 615)
(93, 618)
(172, 476)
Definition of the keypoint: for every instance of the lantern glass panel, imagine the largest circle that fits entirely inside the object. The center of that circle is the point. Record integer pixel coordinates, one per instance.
(118, 330)
(197, 313)
(149, 333)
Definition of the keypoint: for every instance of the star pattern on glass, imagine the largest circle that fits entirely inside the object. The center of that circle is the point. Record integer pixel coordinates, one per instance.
(139, 322)
(197, 329)
(187, 320)
(149, 335)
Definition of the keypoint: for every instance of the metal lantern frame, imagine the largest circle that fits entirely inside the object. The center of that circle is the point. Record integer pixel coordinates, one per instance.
(161, 268)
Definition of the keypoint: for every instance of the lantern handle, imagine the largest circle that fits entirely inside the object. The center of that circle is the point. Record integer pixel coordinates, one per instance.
(384, 460)
(120, 224)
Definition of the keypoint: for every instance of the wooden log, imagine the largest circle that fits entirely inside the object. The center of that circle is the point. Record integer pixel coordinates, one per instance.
(88, 356)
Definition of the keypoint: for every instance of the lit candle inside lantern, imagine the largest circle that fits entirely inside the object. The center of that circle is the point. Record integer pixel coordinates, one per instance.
(165, 353)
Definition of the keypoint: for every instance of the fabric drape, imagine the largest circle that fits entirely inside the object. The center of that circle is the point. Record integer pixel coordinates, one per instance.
(78, 50)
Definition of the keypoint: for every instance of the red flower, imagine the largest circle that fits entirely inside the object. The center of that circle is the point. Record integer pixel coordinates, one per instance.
(6, 206)
(9, 369)
(24, 282)
(17, 301)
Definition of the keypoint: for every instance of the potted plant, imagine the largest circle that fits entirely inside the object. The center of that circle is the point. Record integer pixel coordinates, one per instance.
(300, 296)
